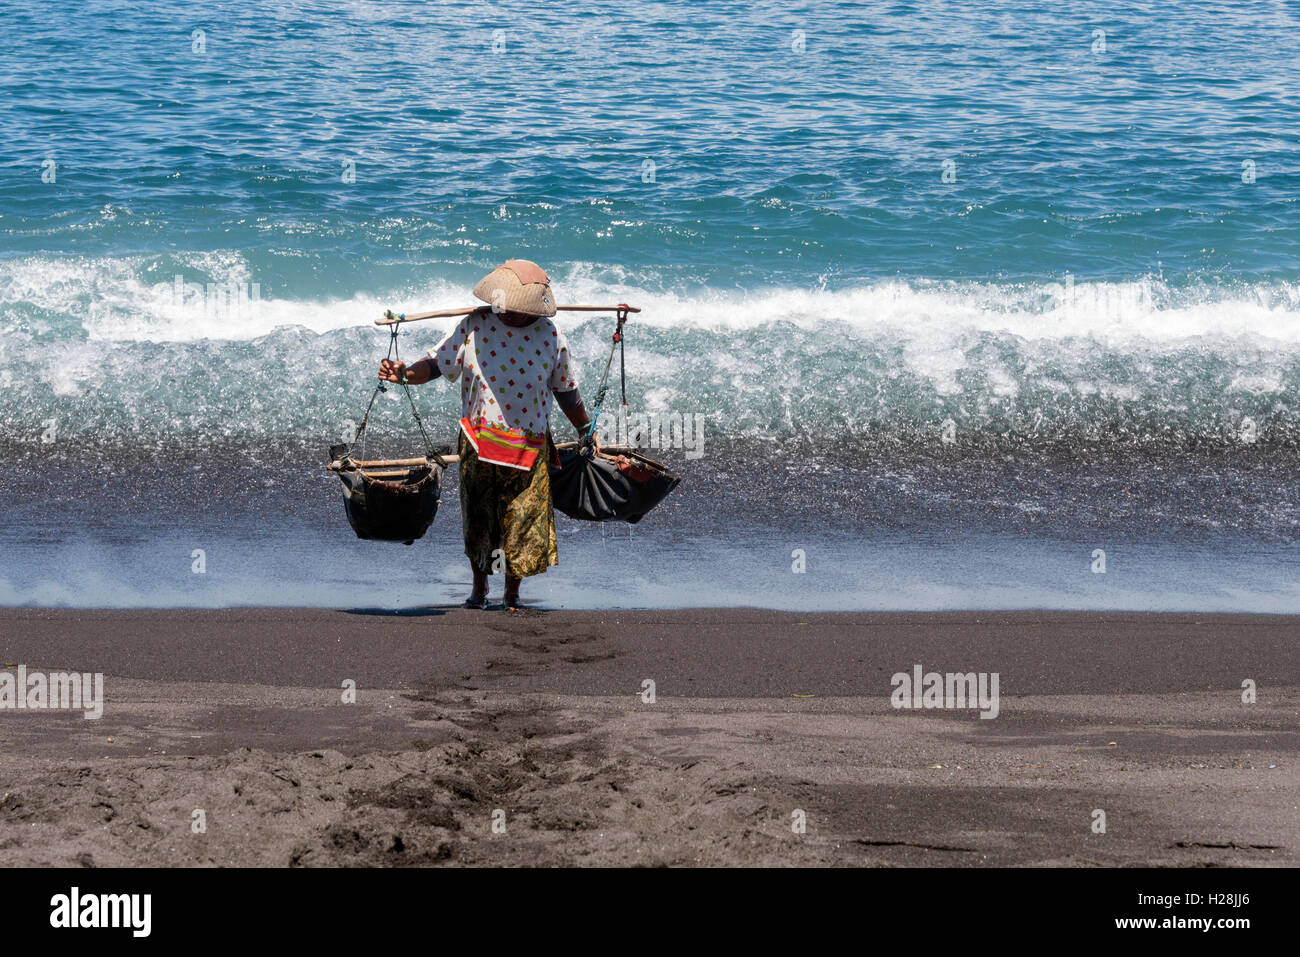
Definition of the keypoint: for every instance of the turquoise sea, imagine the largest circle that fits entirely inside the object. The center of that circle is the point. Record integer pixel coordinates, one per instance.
(964, 292)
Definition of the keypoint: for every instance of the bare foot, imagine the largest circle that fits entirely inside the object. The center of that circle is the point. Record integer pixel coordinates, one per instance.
(478, 597)
(511, 600)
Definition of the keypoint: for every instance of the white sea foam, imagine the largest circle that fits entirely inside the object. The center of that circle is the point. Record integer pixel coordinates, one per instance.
(937, 330)
(977, 573)
(134, 299)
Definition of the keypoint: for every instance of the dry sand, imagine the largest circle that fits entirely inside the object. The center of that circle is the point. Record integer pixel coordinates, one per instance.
(538, 718)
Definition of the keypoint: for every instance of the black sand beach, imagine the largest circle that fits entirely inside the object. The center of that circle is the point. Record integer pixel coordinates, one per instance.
(757, 715)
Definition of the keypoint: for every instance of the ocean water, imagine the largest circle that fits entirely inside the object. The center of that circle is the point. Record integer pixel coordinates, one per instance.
(962, 293)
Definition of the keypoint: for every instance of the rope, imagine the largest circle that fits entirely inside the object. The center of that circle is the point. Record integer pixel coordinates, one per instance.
(603, 388)
(394, 356)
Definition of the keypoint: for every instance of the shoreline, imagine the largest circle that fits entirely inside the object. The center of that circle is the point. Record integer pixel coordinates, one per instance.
(535, 607)
(728, 652)
(460, 714)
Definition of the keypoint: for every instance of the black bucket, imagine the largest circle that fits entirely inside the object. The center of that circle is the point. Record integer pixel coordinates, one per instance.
(616, 485)
(396, 509)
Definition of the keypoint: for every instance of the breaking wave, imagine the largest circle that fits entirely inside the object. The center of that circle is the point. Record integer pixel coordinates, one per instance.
(161, 350)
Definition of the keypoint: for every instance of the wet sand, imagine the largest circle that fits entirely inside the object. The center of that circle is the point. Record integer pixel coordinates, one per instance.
(537, 722)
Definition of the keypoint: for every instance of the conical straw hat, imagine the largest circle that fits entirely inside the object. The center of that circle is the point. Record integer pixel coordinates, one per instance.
(518, 286)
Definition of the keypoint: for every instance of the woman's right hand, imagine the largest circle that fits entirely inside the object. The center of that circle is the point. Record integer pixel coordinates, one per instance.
(393, 371)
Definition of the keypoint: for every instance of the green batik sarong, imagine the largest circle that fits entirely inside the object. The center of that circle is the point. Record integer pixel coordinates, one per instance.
(509, 509)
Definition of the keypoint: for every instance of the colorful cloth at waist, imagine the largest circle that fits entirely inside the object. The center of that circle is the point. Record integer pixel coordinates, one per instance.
(516, 450)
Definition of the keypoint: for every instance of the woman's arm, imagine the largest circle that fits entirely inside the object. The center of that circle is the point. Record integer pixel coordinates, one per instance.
(417, 373)
(570, 404)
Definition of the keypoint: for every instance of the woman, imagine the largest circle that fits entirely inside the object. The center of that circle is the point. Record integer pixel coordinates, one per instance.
(511, 359)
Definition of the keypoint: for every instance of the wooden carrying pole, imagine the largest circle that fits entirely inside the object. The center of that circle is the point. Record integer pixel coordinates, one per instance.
(404, 464)
(391, 319)
(383, 473)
